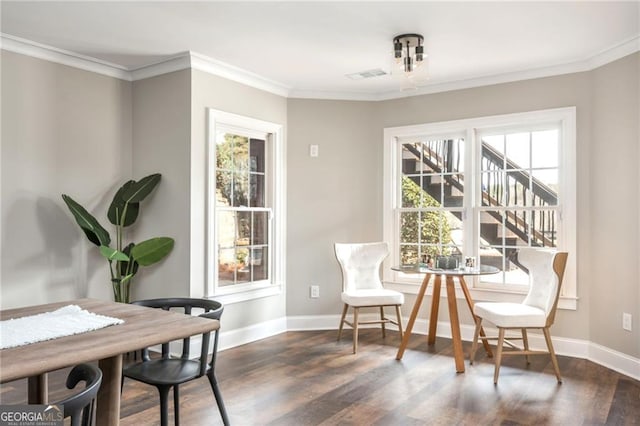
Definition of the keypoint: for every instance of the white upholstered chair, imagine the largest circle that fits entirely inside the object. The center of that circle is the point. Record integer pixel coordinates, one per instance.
(362, 288)
(537, 311)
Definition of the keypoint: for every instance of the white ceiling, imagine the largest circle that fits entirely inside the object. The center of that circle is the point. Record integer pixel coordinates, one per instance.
(309, 47)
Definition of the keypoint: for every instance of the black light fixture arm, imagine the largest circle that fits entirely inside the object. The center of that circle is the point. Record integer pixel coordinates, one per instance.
(408, 40)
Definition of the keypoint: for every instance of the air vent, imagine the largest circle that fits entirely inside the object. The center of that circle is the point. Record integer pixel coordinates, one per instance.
(366, 74)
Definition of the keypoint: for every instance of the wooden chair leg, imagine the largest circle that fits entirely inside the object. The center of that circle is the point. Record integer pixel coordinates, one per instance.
(344, 314)
(384, 334)
(355, 329)
(474, 344)
(399, 318)
(498, 359)
(554, 360)
(525, 342)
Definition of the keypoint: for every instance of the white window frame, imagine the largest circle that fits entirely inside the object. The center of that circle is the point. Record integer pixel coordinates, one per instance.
(470, 128)
(274, 199)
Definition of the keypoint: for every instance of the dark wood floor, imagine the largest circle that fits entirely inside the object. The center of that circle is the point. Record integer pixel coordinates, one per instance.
(307, 378)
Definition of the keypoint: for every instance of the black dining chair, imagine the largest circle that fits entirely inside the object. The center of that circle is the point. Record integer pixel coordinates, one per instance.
(166, 372)
(81, 407)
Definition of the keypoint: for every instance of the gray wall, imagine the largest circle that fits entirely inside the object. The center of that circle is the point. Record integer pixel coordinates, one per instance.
(161, 144)
(208, 91)
(613, 207)
(64, 130)
(337, 197)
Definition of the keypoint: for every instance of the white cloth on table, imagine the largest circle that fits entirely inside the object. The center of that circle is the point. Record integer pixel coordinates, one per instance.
(66, 321)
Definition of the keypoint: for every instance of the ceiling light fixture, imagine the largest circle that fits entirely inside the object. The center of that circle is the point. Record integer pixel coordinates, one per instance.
(408, 50)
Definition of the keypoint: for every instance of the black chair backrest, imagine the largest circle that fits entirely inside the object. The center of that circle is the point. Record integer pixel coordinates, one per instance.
(81, 406)
(212, 310)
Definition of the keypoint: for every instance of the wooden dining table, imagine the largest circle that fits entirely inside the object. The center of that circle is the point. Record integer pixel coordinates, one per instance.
(142, 327)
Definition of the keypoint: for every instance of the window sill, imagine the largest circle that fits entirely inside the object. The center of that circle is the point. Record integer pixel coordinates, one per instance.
(481, 294)
(244, 295)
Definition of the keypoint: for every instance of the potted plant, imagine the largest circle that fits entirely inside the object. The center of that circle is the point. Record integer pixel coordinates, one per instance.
(124, 260)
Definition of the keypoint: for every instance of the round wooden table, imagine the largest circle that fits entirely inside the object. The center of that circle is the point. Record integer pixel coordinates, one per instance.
(449, 275)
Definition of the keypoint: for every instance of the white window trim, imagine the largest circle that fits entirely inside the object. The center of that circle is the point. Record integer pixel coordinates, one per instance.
(276, 190)
(567, 190)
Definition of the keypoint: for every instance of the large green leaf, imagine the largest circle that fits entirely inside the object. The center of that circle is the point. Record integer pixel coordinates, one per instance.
(91, 227)
(118, 205)
(139, 190)
(113, 254)
(151, 251)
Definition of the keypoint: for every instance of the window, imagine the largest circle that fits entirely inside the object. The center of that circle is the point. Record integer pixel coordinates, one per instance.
(482, 187)
(432, 193)
(246, 199)
(519, 172)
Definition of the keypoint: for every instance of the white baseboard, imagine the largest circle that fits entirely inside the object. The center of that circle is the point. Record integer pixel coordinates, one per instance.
(313, 322)
(240, 336)
(584, 349)
(617, 361)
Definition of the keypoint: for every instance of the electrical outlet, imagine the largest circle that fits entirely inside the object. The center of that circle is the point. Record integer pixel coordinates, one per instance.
(626, 321)
(314, 291)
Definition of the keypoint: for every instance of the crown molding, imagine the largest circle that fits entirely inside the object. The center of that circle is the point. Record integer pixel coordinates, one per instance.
(604, 57)
(181, 61)
(193, 60)
(614, 53)
(233, 73)
(212, 66)
(340, 95)
(447, 85)
(489, 80)
(176, 63)
(52, 54)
